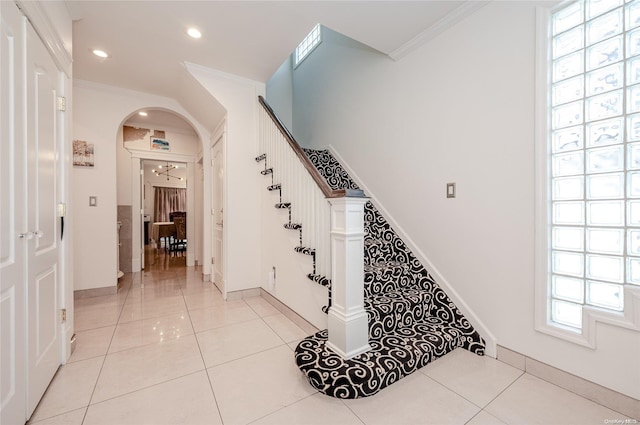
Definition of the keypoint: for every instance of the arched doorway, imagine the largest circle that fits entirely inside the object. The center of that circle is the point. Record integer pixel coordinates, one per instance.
(154, 136)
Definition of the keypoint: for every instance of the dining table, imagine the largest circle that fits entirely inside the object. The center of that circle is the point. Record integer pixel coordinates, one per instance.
(162, 229)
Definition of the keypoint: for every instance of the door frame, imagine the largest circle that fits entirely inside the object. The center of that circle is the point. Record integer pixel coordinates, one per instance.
(218, 136)
(217, 213)
(137, 156)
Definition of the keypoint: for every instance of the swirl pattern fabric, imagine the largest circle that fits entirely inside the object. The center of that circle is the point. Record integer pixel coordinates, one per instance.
(412, 321)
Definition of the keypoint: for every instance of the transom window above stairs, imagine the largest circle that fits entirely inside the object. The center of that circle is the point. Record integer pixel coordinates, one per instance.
(593, 161)
(307, 45)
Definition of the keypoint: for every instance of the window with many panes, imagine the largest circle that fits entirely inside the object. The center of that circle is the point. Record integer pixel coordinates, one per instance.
(594, 156)
(308, 44)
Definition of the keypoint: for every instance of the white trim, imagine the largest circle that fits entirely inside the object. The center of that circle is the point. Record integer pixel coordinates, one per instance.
(541, 201)
(219, 135)
(298, 60)
(490, 339)
(630, 318)
(443, 24)
(36, 14)
(222, 74)
(218, 132)
(161, 156)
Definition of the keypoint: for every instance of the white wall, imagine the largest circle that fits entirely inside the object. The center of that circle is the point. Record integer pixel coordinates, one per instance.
(279, 91)
(99, 112)
(458, 109)
(242, 197)
(291, 285)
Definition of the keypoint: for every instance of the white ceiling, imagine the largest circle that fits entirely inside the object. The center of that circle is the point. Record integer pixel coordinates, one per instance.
(161, 120)
(147, 40)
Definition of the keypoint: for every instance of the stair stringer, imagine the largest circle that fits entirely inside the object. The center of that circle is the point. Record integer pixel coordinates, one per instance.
(476, 322)
(292, 287)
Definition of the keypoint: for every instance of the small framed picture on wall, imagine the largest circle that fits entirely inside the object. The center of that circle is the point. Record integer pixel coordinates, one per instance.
(158, 144)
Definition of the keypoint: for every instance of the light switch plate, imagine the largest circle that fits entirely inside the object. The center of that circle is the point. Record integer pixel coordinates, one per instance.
(451, 190)
(93, 201)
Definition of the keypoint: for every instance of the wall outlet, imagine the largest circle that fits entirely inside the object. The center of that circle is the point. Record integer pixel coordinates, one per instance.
(451, 190)
(272, 278)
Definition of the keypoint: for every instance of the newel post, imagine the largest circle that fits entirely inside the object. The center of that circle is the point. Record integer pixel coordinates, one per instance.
(347, 321)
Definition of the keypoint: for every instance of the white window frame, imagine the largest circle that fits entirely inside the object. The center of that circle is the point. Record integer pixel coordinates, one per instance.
(629, 318)
(309, 44)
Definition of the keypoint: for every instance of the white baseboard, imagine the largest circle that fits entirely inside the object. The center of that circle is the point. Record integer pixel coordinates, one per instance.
(289, 313)
(95, 292)
(590, 390)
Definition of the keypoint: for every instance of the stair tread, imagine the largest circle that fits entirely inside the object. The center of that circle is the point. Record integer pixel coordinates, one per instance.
(392, 357)
(304, 250)
(409, 295)
(319, 279)
(385, 265)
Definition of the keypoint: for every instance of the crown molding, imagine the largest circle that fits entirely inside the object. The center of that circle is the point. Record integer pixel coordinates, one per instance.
(458, 14)
(41, 23)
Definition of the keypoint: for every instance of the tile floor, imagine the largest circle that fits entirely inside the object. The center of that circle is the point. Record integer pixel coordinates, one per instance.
(167, 349)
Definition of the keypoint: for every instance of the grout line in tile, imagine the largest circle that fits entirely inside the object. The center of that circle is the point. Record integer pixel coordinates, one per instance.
(142, 388)
(95, 385)
(144, 345)
(245, 356)
(352, 411)
(476, 414)
(274, 331)
(55, 416)
(204, 363)
(460, 395)
(502, 392)
(283, 407)
(450, 389)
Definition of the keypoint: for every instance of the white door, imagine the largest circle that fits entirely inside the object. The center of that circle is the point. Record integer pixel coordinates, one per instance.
(12, 219)
(43, 183)
(217, 160)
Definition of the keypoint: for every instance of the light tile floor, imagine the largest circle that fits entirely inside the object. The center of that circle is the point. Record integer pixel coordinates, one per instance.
(167, 349)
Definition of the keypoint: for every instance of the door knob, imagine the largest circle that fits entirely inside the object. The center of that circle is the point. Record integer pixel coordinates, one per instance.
(27, 235)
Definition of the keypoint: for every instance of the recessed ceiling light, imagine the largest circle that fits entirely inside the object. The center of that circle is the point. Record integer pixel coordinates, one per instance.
(142, 113)
(194, 33)
(100, 53)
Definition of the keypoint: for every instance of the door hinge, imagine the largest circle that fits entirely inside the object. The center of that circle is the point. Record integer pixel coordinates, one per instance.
(212, 163)
(213, 260)
(63, 315)
(62, 103)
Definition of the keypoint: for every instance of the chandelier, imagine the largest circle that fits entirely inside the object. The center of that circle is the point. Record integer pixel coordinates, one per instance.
(165, 170)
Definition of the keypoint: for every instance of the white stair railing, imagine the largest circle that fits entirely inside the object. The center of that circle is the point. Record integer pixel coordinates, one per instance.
(332, 225)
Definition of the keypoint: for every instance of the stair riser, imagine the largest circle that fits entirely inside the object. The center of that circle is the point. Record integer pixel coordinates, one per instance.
(321, 280)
